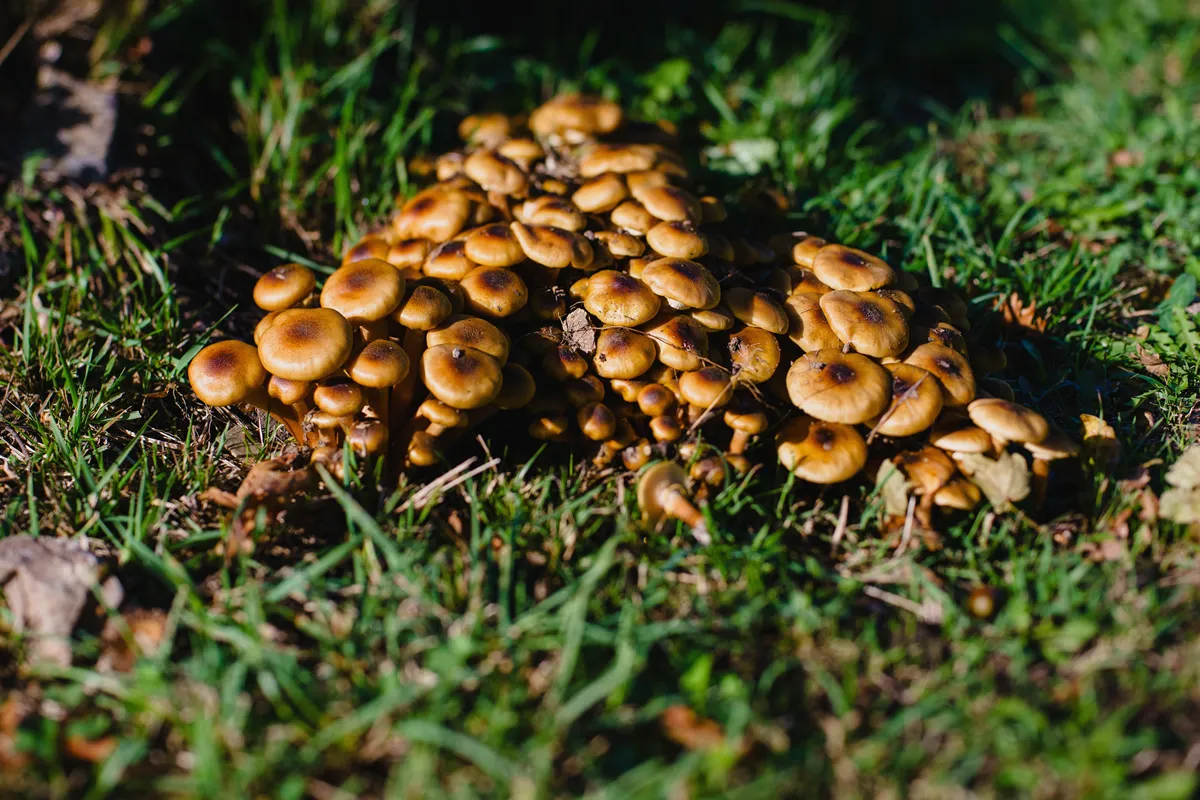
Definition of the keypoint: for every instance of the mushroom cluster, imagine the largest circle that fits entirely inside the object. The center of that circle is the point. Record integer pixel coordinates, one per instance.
(565, 266)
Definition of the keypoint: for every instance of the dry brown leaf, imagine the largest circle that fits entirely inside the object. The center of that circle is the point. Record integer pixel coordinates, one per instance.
(1018, 314)
(92, 750)
(578, 332)
(684, 727)
(1153, 362)
(133, 634)
(1100, 443)
(1004, 481)
(893, 489)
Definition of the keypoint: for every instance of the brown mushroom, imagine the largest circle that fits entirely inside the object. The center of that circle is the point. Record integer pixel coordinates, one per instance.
(681, 343)
(283, 287)
(365, 293)
(557, 212)
(706, 388)
(632, 216)
(868, 322)
(1054, 446)
(820, 452)
(951, 369)
(839, 387)
(494, 291)
(754, 355)
(662, 495)
(682, 283)
(758, 309)
(493, 245)
(461, 377)
(619, 299)
(602, 158)
(600, 194)
(306, 344)
(229, 373)
(553, 247)
(449, 261)
(677, 239)
(597, 421)
(807, 325)
(623, 353)
(846, 268)
(495, 173)
(424, 308)
(436, 214)
(916, 402)
(472, 332)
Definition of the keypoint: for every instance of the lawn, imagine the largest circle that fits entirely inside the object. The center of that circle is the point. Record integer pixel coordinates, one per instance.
(519, 633)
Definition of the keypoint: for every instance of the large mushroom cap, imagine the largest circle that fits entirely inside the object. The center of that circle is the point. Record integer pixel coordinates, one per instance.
(681, 343)
(820, 452)
(758, 309)
(284, 286)
(656, 481)
(684, 284)
(306, 344)
(846, 268)
(950, 368)
(364, 291)
(600, 194)
(460, 376)
(226, 373)
(617, 298)
(1009, 422)
(838, 387)
(623, 353)
(494, 291)
(436, 214)
(677, 239)
(669, 203)
(870, 323)
(473, 332)
(553, 247)
(753, 355)
(493, 245)
(708, 387)
(449, 261)
(495, 173)
(380, 364)
(808, 326)
(575, 113)
(916, 402)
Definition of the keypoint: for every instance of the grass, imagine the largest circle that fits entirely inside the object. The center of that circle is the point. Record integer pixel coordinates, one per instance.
(520, 634)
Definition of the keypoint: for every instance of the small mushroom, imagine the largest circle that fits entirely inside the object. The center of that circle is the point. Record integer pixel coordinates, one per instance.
(602, 158)
(522, 151)
(632, 216)
(916, 402)
(745, 420)
(597, 421)
(666, 428)
(846, 268)
(563, 363)
(461, 377)
(600, 194)
(758, 309)
(424, 308)
(1055, 446)
(959, 494)
(820, 452)
(868, 322)
(493, 245)
(368, 437)
(339, 397)
(927, 469)
(557, 212)
(808, 326)
(839, 387)
(449, 261)
(581, 391)
(575, 117)
(668, 203)
(472, 332)
(495, 173)
(553, 247)
(365, 293)
(1008, 422)
(715, 319)
(486, 130)
(230, 373)
(677, 239)
(679, 339)
(754, 355)
(804, 251)
(662, 495)
(283, 287)
(517, 387)
(623, 353)
(366, 247)
(494, 291)
(682, 283)
(954, 433)
(655, 400)
(407, 255)
(436, 214)
(706, 388)
(951, 369)
(619, 299)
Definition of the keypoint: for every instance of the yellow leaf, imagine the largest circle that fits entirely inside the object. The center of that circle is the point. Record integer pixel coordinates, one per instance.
(1185, 474)
(1003, 481)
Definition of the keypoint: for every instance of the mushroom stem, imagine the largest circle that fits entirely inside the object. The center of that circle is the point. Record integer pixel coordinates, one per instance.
(739, 442)
(283, 414)
(677, 506)
(1037, 486)
(403, 394)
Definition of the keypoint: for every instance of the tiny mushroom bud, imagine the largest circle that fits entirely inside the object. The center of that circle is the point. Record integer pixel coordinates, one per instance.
(745, 420)
(283, 287)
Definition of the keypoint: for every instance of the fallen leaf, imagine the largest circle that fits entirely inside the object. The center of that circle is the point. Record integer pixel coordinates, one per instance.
(1018, 314)
(893, 488)
(1100, 443)
(133, 634)
(684, 727)
(1185, 473)
(93, 750)
(1003, 481)
(1180, 505)
(47, 583)
(1153, 362)
(578, 332)
(271, 485)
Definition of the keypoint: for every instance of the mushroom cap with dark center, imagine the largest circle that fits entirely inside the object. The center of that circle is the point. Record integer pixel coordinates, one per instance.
(684, 284)
(916, 402)
(493, 245)
(564, 363)
(550, 210)
(623, 353)
(600, 194)
(753, 355)
(472, 332)
(460, 376)
(708, 387)
(677, 239)
(602, 158)
(846, 268)
(436, 214)
(654, 400)
(494, 291)
(950, 368)
(632, 216)
(597, 421)
(653, 486)
(306, 344)
(381, 363)
(367, 247)
(666, 428)
(758, 309)
(620, 299)
(408, 254)
(808, 326)
(449, 261)
(517, 387)
(681, 343)
(340, 397)
(581, 391)
(553, 247)
(424, 308)
(820, 452)
(226, 373)
(283, 287)
(522, 151)
(1009, 422)
(870, 323)
(838, 387)
(364, 291)
(495, 173)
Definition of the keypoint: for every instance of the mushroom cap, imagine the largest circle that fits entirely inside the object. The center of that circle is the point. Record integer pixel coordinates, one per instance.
(439, 413)
(942, 333)
(719, 246)
(553, 247)
(950, 368)
(747, 418)
(407, 253)
(461, 377)
(449, 261)
(472, 332)
(363, 291)
(495, 173)
(654, 400)
(679, 339)
(846, 268)
(283, 287)
(839, 387)
(264, 324)
(226, 373)
(916, 402)
(563, 363)
(493, 246)
(958, 493)
(1057, 445)
(753, 355)
(367, 437)
(632, 216)
(381, 363)
(623, 353)
(666, 428)
(600, 194)
(619, 244)
(288, 392)
(808, 326)
(602, 158)
(715, 319)
(804, 252)
(550, 210)
(422, 450)
(366, 247)
(550, 427)
(870, 323)
(517, 387)
(597, 421)
(437, 214)
(683, 283)
(575, 113)
(712, 210)
(646, 179)
(494, 291)
(902, 299)
(616, 298)
(342, 398)
(424, 308)
(820, 452)
(653, 485)
(708, 387)
(488, 128)
(522, 151)
(955, 434)
(668, 202)
(1008, 421)
(581, 391)
(677, 239)
(306, 344)
(758, 309)
(928, 469)
(994, 387)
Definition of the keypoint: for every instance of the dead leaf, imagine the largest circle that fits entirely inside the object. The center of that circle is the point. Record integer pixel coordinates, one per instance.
(578, 332)
(1100, 443)
(133, 634)
(684, 727)
(1004, 481)
(893, 488)
(271, 485)
(1185, 473)
(1180, 505)
(92, 750)
(1018, 314)
(1153, 362)
(47, 583)
(219, 497)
